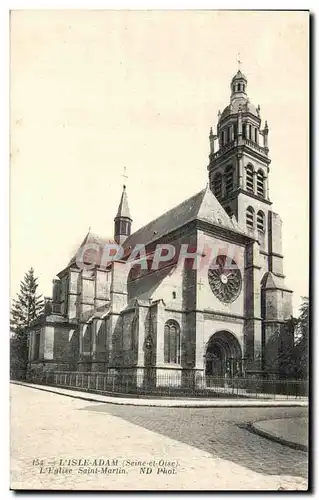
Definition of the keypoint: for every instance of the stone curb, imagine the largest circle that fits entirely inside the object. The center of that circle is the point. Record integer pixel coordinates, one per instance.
(221, 403)
(277, 439)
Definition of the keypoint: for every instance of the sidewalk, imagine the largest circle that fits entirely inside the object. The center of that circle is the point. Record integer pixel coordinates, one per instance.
(292, 432)
(190, 403)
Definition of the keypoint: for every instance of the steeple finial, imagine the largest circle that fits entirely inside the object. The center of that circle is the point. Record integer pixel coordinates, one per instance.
(124, 177)
(239, 61)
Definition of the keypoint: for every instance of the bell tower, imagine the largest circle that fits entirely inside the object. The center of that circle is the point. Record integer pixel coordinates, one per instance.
(239, 163)
(238, 176)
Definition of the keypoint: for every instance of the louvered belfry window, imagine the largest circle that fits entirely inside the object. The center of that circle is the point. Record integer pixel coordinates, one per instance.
(250, 179)
(217, 185)
(261, 221)
(229, 179)
(260, 183)
(250, 218)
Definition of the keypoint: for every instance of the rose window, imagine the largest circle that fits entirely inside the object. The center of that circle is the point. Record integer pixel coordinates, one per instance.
(224, 278)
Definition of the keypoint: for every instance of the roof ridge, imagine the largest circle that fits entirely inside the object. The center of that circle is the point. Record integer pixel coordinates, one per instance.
(165, 214)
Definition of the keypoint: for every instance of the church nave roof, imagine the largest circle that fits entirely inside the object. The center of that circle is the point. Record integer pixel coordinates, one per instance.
(201, 206)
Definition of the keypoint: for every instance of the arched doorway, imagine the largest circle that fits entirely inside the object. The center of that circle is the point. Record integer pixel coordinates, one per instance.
(223, 356)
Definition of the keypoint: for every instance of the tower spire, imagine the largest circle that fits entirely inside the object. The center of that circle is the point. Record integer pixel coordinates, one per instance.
(123, 219)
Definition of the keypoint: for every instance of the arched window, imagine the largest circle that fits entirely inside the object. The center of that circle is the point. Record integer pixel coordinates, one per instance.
(250, 178)
(250, 132)
(261, 221)
(244, 130)
(238, 87)
(228, 134)
(172, 342)
(217, 185)
(256, 137)
(229, 179)
(250, 218)
(222, 138)
(260, 183)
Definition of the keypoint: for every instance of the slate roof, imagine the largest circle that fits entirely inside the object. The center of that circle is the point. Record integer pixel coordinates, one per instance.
(202, 206)
(123, 210)
(272, 282)
(90, 256)
(246, 107)
(239, 75)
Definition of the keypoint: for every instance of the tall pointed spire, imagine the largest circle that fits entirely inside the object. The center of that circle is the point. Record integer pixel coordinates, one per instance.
(123, 219)
(123, 209)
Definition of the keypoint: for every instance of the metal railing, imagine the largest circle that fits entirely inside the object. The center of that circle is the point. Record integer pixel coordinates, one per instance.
(191, 385)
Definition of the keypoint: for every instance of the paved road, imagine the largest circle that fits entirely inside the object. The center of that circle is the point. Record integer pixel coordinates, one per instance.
(212, 448)
(221, 432)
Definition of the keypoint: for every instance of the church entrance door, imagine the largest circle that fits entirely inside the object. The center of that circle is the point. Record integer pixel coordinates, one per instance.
(223, 356)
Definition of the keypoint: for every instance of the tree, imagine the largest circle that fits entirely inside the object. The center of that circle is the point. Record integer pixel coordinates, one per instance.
(302, 338)
(303, 322)
(293, 361)
(26, 308)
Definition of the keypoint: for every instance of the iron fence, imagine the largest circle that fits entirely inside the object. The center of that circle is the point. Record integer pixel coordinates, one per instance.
(170, 385)
(18, 374)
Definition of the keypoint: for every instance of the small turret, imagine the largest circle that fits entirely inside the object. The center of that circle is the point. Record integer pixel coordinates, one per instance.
(123, 220)
(238, 86)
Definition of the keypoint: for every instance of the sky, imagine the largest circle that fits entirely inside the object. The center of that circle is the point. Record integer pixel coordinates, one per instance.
(94, 91)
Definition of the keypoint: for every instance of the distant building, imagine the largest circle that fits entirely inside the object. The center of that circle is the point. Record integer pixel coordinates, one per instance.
(221, 319)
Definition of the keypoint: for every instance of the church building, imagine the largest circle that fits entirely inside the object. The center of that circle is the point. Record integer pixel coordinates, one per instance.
(223, 317)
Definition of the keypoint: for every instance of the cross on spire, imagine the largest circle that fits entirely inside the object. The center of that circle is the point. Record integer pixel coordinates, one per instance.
(124, 175)
(239, 61)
